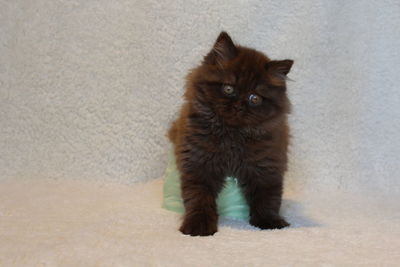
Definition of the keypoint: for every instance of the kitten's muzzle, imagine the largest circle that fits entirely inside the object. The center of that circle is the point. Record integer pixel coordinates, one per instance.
(238, 107)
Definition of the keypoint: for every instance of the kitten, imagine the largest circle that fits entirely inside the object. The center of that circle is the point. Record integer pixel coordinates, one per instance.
(233, 123)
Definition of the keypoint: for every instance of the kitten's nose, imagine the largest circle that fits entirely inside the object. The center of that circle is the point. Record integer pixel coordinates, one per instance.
(238, 106)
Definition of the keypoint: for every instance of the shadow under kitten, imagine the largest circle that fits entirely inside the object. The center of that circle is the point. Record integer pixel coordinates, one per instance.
(291, 209)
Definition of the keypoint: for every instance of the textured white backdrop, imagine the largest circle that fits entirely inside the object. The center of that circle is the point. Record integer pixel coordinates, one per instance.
(87, 88)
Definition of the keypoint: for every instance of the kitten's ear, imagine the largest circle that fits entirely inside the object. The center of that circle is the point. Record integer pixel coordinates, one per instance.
(224, 49)
(279, 67)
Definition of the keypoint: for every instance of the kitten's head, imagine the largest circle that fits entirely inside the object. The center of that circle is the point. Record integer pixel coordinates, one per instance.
(240, 85)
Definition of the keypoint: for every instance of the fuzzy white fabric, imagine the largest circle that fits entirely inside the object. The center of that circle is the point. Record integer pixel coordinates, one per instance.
(87, 89)
(71, 223)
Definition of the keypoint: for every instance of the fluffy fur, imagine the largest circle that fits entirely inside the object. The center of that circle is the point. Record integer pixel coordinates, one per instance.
(233, 123)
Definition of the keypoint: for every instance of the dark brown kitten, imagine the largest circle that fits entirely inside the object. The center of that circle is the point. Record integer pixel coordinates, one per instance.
(233, 123)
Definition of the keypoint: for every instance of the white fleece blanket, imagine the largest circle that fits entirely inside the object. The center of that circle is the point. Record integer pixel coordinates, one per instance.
(88, 88)
(75, 223)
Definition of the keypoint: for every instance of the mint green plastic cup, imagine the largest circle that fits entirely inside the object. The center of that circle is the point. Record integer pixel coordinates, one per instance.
(230, 202)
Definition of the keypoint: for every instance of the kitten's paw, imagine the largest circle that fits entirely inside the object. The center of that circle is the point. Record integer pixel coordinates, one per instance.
(199, 225)
(270, 222)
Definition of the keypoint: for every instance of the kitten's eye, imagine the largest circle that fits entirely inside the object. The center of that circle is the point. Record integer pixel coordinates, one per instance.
(228, 90)
(255, 100)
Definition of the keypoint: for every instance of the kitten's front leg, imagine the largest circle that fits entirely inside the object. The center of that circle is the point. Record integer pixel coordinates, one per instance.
(199, 194)
(264, 195)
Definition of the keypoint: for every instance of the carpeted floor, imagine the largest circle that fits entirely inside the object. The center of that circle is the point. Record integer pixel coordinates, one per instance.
(75, 223)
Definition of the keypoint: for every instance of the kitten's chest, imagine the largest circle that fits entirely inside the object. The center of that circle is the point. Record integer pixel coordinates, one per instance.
(226, 140)
(227, 151)
(228, 147)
